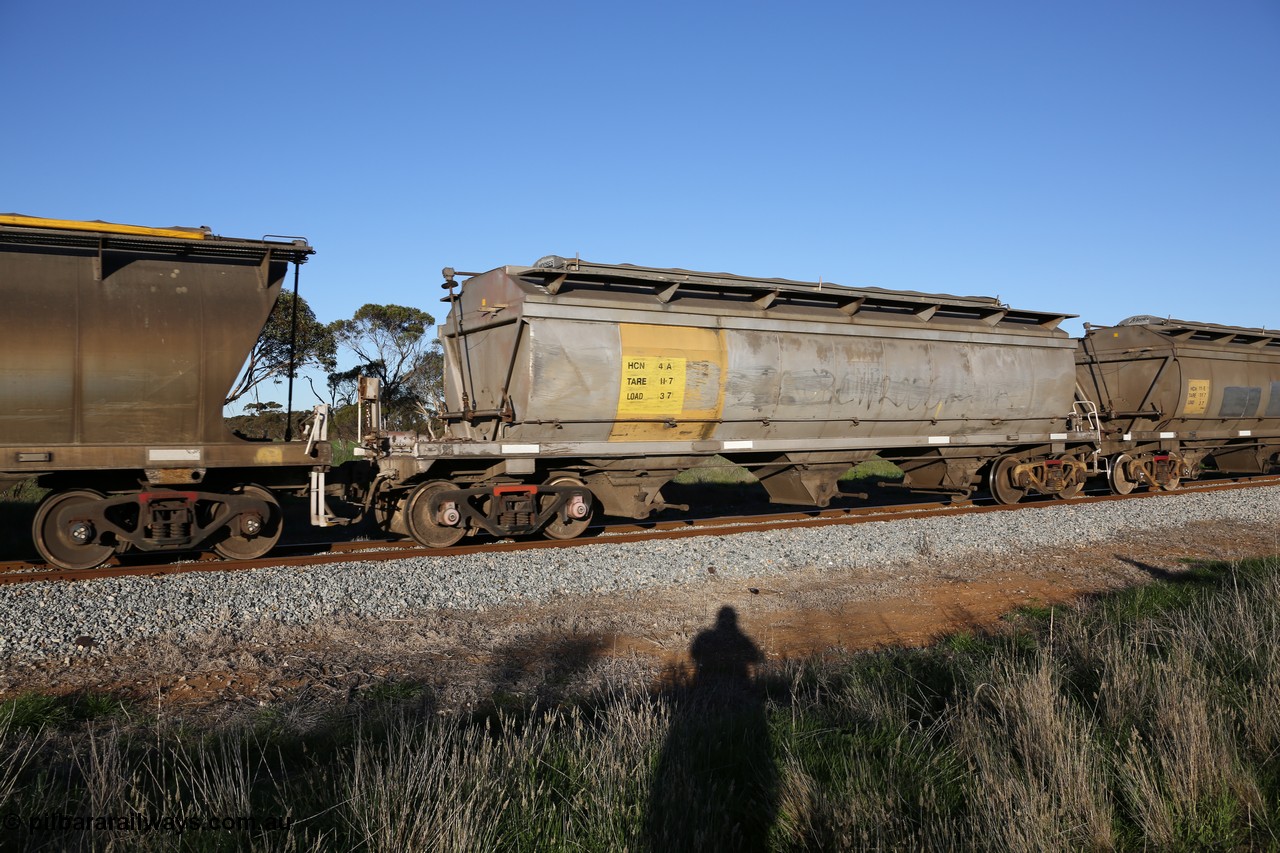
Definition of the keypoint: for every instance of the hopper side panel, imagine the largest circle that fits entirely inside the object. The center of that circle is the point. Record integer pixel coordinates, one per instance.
(38, 347)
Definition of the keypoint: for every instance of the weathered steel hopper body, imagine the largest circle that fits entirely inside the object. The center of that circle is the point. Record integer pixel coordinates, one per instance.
(621, 376)
(118, 348)
(1172, 394)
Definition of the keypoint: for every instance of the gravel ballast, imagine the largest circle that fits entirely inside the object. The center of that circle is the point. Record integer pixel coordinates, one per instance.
(53, 619)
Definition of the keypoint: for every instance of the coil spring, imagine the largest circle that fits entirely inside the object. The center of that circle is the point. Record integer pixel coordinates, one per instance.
(170, 530)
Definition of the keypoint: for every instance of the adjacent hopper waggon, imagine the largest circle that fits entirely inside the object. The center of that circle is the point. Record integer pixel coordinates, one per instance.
(1175, 397)
(119, 346)
(572, 385)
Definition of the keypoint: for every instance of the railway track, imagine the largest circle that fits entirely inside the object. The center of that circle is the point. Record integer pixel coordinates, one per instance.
(315, 554)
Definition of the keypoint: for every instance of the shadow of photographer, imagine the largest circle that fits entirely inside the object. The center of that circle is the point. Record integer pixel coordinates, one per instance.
(716, 783)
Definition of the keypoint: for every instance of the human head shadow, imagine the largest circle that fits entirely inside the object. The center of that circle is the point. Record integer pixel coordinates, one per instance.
(715, 786)
(1155, 571)
(1188, 576)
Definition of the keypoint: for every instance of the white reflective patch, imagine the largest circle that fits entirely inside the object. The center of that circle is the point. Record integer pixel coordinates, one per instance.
(737, 445)
(1057, 436)
(1168, 435)
(939, 439)
(1245, 433)
(1128, 436)
(520, 448)
(173, 454)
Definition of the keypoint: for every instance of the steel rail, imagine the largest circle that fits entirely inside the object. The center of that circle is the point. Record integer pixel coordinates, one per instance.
(381, 551)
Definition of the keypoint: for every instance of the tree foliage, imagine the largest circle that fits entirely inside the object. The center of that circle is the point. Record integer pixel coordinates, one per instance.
(392, 344)
(269, 359)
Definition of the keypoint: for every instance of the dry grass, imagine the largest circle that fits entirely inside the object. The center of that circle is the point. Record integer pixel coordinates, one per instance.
(1142, 721)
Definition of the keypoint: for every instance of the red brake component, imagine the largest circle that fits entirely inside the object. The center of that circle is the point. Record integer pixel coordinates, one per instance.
(515, 490)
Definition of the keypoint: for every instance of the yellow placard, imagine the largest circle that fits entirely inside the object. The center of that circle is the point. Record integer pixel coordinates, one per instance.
(268, 455)
(652, 385)
(1197, 397)
(671, 383)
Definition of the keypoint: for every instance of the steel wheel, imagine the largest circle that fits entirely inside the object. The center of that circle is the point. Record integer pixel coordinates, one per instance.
(388, 508)
(249, 547)
(557, 527)
(63, 534)
(425, 529)
(1070, 492)
(1000, 481)
(1073, 490)
(1171, 485)
(1119, 478)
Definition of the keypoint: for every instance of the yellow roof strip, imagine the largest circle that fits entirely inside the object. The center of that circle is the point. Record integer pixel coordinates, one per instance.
(108, 227)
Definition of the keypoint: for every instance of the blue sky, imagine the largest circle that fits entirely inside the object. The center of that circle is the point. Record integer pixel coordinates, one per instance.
(1105, 159)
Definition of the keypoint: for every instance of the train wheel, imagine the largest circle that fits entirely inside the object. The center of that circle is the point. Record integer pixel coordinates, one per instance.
(1072, 490)
(425, 529)
(258, 535)
(388, 508)
(1119, 478)
(1000, 481)
(1171, 485)
(558, 528)
(63, 536)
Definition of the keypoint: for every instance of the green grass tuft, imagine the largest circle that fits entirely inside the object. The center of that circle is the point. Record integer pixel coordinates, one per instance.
(23, 492)
(36, 711)
(873, 469)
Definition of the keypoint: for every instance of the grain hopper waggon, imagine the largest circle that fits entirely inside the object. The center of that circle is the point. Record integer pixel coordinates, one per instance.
(119, 346)
(571, 384)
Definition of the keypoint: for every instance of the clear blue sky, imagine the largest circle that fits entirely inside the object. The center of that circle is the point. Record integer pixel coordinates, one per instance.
(1101, 158)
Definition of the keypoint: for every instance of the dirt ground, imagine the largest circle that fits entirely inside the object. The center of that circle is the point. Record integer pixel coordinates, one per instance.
(459, 660)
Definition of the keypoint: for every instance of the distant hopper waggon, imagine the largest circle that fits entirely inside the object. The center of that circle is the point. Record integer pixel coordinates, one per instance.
(573, 388)
(118, 348)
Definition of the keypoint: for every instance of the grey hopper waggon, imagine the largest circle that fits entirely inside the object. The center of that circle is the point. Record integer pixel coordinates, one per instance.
(119, 345)
(572, 385)
(1174, 396)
